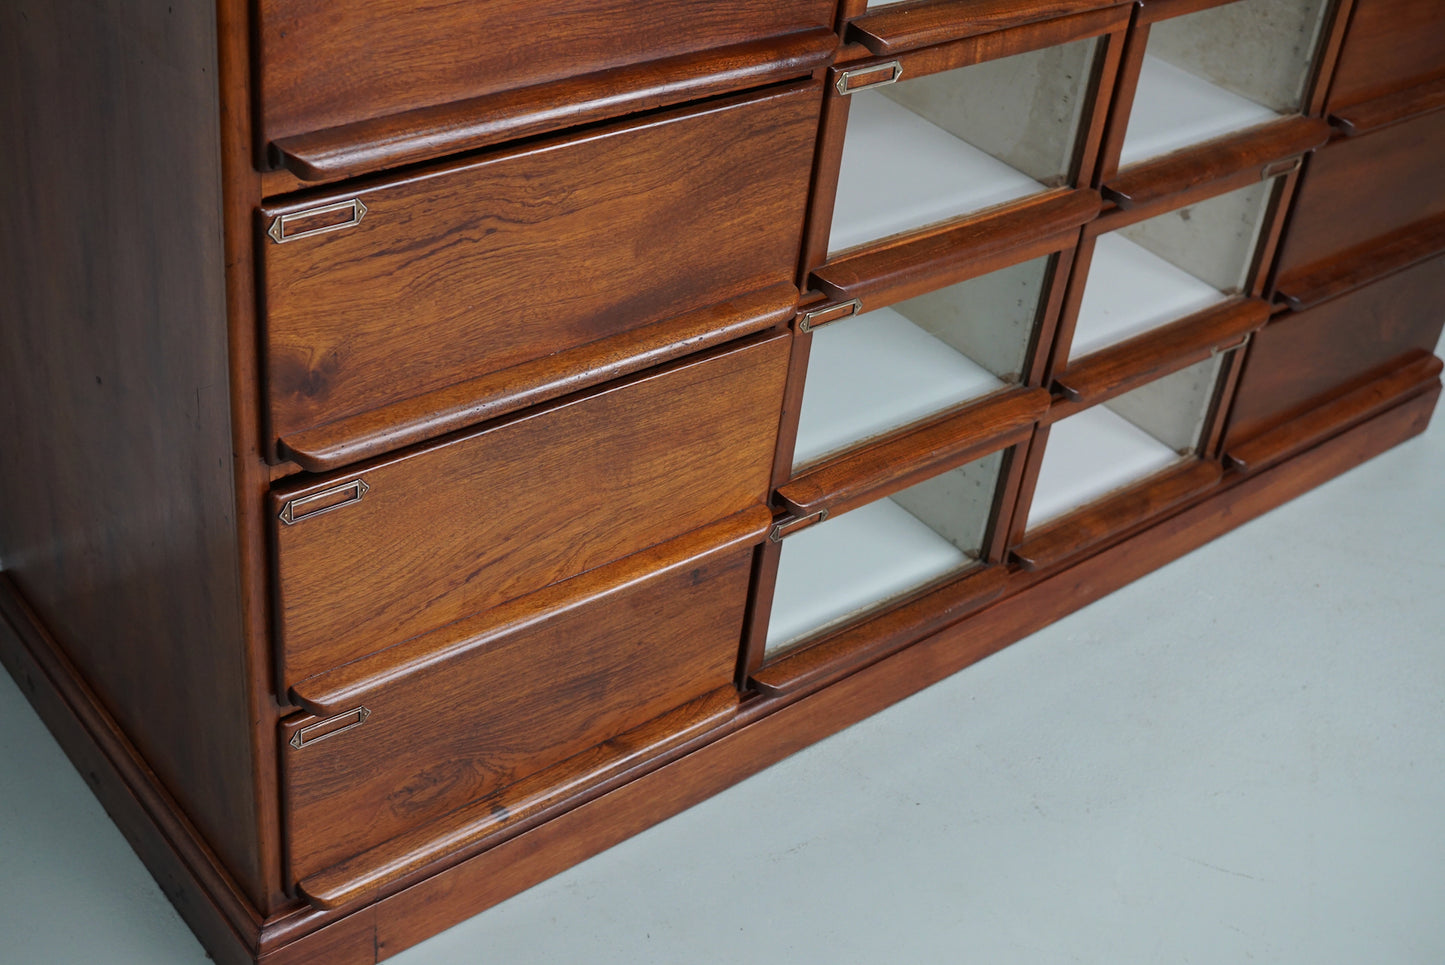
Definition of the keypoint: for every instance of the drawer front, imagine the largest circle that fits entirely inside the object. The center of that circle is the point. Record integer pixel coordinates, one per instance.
(477, 267)
(1392, 45)
(331, 62)
(511, 705)
(404, 545)
(1361, 188)
(1305, 358)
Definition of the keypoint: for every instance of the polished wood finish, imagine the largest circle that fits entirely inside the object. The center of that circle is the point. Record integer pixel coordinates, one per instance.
(569, 667)
(432, 414)
(324, 63)
(417, 853)
(1266, 149)
(892, 29)
(842, 652)
(117, 527)
(454, 273)
(902, 459)
(556, 350)
(1390, 109)
(1356, 267)
(913, 264)
(1304, 358)
(1051, 544)
(1117, 369)
(1420, 377)
(1392, 45)
(1339, 206)
(418, 135)
(466, 524)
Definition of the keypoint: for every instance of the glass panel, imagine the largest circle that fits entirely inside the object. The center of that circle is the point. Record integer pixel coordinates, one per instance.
(1166, 267)
(948, 144)
(890, 367)
(1107, 447)
(857, 562)
(1221, 70)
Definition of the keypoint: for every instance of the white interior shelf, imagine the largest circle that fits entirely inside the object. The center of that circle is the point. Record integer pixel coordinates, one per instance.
(1131, 290)
(1089, 455)
(852, 563)
(901, 172)
(876, 372)
(1174, 108)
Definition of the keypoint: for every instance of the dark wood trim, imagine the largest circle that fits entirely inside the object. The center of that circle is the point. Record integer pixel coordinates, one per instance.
(900, 460)
(421, 418)
(1363, 264)
(1336, 416)
(1260, 150)
(1082, 530)
(1371, 115)
(907, 265)
(896, 28)
(395, 140)
(1117, 369)
(188, 872)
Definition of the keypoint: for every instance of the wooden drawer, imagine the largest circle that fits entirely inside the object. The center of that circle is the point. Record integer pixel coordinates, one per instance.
(1305, 358)
(508, 694)
(1392, 44)
(325, 63)
(479, 266)
(1361, 188)
(405, 544)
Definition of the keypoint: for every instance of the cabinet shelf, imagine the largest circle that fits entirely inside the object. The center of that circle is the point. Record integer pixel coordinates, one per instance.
(1131, 290)
(1089, 455)
(901, 172)
(851, 564)
(1174, 109)
(878, 372)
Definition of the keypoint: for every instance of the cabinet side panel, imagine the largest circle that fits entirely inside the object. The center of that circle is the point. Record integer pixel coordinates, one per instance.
(117, 510)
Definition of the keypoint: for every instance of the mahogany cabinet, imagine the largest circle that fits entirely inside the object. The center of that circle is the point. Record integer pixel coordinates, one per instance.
(440, 441)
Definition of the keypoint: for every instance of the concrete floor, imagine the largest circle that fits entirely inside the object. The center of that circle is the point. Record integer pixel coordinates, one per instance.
(1239, 758)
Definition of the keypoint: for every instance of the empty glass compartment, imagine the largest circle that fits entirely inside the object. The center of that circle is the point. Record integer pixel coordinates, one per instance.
(857, 562)
(890, 367)
(1221, 70)
(1159, 270)
(1112, 445)
(942, 145)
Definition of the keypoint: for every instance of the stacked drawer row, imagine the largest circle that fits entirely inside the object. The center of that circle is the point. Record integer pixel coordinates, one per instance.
(607, 396)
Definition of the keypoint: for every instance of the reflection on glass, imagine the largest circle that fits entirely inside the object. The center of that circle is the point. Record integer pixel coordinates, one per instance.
(938, 146)
(855, 563)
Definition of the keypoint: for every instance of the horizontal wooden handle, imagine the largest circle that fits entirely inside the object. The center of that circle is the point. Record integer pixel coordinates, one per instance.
(1393, 108)
(854, 647)
(1119, 368)
(1336, 416)
(1362, 264)
(897, 463)
(931, 259)
(337, 691)
(525, 804)
(416, 135)
(1263, 148)
(1086, 528)
(890, 31)
(377, 431)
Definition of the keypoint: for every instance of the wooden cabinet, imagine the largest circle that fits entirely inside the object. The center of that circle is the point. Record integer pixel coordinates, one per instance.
(443, 440)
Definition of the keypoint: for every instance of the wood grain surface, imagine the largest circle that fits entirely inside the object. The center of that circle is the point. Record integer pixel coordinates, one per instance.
(480, 265)
(478, 519)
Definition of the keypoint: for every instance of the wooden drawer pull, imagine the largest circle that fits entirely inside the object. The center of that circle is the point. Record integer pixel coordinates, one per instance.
(322, 729)
(316, 221)
(317, 504)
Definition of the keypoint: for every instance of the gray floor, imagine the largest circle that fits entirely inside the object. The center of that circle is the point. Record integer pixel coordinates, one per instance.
(1239, 758)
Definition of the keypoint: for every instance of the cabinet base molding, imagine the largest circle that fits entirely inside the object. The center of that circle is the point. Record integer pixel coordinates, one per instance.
(766, 729)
